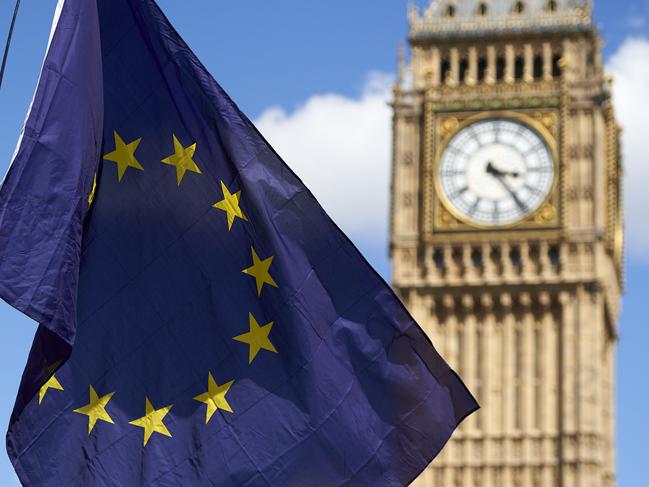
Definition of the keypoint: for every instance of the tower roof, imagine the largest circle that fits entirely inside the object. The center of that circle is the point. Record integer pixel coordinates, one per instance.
(459, 18)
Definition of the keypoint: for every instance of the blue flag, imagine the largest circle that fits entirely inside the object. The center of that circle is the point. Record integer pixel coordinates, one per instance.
(202, 320)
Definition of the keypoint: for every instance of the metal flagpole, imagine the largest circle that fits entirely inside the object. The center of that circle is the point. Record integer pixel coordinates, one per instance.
(11, 31)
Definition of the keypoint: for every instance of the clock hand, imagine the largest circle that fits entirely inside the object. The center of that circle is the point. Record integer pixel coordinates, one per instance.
(494, 171)
(501, 177)
(513, 174)
(491, 169)
(517, 200)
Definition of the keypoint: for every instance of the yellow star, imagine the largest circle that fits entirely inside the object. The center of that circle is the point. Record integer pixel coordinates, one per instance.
(182, 159)
(96, 409)
(257, 338)
(151, 422)
(230, 204)
(124, 156)
(259, 270)
(215, 397)
(52, 383)
(91, 196)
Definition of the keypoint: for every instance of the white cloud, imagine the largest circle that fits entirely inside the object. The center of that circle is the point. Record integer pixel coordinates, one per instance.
(630, 67)
(341, 148)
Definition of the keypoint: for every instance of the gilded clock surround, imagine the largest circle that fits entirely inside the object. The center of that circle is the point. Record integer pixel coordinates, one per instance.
(447, 218)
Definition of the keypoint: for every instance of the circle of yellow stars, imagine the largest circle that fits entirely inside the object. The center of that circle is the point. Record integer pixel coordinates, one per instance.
(257, 337)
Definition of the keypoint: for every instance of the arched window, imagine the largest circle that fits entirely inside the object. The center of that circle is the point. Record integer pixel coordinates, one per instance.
(552, 6)
(538, 67)
(556, 66)
(464, 70)
(450, 10)
(482, 69)
(519, 7)
(519, 67)
(483, 9)
(446, 70)
(500, 68)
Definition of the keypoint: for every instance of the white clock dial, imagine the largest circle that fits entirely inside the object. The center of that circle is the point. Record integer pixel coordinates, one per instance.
(496, 172)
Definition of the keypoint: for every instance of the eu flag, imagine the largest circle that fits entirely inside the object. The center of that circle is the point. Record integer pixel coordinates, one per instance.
(202, 320)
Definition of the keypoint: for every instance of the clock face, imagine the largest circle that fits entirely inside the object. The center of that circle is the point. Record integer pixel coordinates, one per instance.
(496, 172)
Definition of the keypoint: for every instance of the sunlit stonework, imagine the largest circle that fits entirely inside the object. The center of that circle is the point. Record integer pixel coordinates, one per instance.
(507, 234)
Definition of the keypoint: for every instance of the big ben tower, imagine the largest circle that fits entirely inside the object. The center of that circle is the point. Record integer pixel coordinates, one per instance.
(506, 235)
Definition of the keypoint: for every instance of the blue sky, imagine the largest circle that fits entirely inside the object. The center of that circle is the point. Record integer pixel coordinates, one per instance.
(318, 73)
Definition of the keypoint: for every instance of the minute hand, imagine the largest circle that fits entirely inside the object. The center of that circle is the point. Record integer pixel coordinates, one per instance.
(517, 200)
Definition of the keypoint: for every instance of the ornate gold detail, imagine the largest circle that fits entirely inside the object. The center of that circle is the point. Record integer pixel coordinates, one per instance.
(540, 88)
(548, 120)
(524, 102)
(447, 126)
(443, 217)
(547, 214)
(447, 219)
(427, 183)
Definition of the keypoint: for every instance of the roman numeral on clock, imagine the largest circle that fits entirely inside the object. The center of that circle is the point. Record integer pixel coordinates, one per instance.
(459, 192)
(474, 207)
(534, 190)
(543, 169)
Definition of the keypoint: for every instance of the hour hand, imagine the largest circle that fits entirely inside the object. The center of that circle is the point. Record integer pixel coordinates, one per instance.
(494, 171)
(491, 169)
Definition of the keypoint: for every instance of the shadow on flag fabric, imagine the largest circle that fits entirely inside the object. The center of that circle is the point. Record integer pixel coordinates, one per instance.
(202, 320)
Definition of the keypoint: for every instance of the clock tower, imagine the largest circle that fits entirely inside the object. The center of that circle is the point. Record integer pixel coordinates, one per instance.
(506, 233)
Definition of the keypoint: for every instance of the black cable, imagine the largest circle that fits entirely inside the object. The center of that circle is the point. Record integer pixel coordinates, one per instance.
(11, 31)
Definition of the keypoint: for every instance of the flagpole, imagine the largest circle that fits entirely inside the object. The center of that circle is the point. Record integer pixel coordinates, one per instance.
(11, 31)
